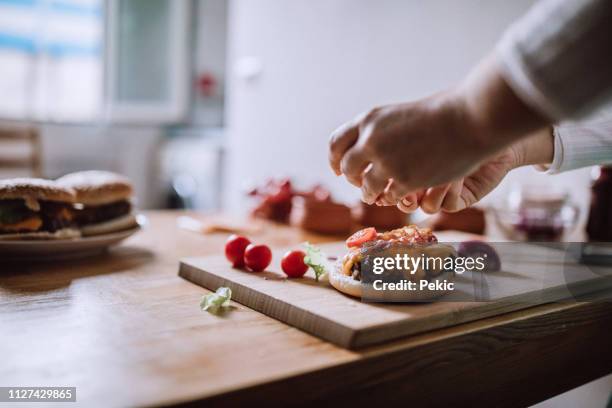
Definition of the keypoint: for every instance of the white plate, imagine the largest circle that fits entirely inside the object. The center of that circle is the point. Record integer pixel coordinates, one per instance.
(32, 250)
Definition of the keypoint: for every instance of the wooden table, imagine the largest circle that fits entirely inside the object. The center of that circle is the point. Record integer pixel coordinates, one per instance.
(126, 331)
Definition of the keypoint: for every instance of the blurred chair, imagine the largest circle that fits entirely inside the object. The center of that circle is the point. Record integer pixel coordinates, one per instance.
(20, 152)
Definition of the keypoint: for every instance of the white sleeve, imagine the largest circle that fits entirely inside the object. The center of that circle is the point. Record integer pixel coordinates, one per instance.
(558, 57)
(581, 145)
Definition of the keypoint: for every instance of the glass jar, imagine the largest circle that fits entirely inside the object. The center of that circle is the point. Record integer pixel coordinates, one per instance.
(537, 213)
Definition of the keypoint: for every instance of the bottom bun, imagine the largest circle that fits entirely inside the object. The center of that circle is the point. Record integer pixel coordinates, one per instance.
(66, 233)
(346, 284)
(115, 225)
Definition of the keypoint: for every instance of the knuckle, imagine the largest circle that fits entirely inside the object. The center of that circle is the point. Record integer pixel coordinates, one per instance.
(344, 166)
(333, 140)
(370, 115)
(350, 159)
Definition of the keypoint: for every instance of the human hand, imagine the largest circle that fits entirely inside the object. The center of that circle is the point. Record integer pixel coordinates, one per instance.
(410, 143)
(397, 150)
(467, 191)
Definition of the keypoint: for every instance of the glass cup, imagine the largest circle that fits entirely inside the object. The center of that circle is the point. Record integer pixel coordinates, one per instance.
(536, 213)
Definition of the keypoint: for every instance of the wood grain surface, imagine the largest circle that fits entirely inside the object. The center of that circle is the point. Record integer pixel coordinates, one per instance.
(127, 331)
(530, 275)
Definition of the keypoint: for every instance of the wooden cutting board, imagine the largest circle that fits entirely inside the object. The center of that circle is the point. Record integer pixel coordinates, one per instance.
(530, 275)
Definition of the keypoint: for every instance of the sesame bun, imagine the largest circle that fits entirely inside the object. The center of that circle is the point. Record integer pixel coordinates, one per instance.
(98, 187)
(36, 189)
(118, 224)
(66, 233)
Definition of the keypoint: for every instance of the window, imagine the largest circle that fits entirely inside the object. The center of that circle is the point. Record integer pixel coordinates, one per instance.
(51, 59)
(148, 69)
(94, 60)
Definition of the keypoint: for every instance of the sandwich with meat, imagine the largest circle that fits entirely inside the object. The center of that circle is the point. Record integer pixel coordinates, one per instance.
(104, 201)
(36, 209)
(353, 274)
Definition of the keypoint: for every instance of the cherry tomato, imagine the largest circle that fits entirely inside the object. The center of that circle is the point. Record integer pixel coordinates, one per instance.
(293, 264)
(360, 237)
(234, 250)
(257, 257)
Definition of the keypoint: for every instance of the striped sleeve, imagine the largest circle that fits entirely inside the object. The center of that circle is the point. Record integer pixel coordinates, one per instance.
(558, 57)
(581, 145)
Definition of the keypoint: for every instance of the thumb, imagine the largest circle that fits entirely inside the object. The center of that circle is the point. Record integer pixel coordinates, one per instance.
(478, 185)
(453, 201)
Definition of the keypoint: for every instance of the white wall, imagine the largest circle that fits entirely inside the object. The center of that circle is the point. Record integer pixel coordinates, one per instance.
(132, 151)
(323, 61)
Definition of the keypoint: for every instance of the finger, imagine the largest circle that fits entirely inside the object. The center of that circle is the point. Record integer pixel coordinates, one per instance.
(420, 194)
(385, 198)
(396, 192)
(340, 141)
(433, 198)
(352, 165)
(472, 191)
(409, 204)
(453, 201)
(478, 185)
(374, 183)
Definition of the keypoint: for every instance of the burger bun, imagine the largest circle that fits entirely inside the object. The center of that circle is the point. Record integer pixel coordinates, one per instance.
(118, 224)
(66, 233)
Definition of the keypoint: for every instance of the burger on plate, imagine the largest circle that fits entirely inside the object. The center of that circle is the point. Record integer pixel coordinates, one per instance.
(104, 201)
(36, 209)
(353, 274)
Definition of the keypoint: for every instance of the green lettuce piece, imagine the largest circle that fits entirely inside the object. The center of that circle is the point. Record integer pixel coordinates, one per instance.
(316, 259)
(11, 212)
(214, 302)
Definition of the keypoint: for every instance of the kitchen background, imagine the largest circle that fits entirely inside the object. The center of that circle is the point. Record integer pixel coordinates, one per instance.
(203, 99)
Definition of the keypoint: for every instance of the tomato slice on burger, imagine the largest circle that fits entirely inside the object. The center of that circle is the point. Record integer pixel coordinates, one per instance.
(361, 237)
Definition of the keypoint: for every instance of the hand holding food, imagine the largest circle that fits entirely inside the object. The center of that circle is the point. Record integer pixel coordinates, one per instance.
(469, 190)
(397, 150)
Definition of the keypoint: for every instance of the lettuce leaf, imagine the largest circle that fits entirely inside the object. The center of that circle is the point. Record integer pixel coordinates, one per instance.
(12, 211)
(316, 259)
(215, 302)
